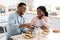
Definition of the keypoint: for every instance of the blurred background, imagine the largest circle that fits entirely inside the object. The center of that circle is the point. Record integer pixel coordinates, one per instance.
(9, 6)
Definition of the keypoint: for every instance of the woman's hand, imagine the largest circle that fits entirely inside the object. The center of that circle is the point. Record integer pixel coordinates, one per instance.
(45, 22)
(43, 17)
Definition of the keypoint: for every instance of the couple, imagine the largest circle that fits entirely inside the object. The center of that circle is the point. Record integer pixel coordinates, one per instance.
(17, 23)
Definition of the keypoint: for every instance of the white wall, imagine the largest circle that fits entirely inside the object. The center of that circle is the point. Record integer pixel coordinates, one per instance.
(9, 2)
(29, 3)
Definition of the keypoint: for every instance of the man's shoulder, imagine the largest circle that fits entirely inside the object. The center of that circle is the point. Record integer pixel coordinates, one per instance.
(13, 14)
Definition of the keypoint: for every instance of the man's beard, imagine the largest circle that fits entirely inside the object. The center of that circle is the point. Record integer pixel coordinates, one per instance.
(22, 13)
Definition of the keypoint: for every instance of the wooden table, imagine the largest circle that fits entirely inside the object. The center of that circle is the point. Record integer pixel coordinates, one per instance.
(50, 36)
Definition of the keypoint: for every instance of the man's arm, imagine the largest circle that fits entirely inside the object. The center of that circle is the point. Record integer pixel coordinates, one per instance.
(28, 25)
(12, 22)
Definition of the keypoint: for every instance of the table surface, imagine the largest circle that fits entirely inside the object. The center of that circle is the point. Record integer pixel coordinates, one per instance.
(50, 36)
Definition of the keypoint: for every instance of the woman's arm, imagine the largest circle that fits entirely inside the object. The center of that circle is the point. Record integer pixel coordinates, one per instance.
(45, 22)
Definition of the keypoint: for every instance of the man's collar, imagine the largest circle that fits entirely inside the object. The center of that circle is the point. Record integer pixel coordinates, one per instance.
(18, 15)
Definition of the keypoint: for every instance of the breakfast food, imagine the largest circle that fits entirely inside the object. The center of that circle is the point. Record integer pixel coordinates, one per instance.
(56, 31)
(27, 36)
(45, 31)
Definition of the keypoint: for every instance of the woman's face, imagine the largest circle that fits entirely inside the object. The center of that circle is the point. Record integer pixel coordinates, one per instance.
(40, 13)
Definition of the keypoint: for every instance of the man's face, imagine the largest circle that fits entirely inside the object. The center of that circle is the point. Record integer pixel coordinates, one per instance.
(40, 13)
(22, 9)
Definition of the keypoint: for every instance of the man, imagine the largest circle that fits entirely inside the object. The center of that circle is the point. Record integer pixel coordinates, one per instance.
(16, 21)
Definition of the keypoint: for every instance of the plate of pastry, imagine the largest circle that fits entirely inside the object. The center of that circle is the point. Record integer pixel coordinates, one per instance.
(56, 31)
(45, 31)
(28, 36)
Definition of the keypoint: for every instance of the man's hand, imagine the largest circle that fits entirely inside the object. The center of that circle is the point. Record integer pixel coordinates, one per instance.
(27, 32)
(28, 25)
(43, 27)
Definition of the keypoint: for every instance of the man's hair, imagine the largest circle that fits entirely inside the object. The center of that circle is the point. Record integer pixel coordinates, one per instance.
(21, 4)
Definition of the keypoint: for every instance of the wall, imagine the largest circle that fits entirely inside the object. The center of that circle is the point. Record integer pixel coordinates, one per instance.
(29, 3)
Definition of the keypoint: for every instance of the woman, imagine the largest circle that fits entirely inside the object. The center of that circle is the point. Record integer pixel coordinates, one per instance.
(41, 20)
